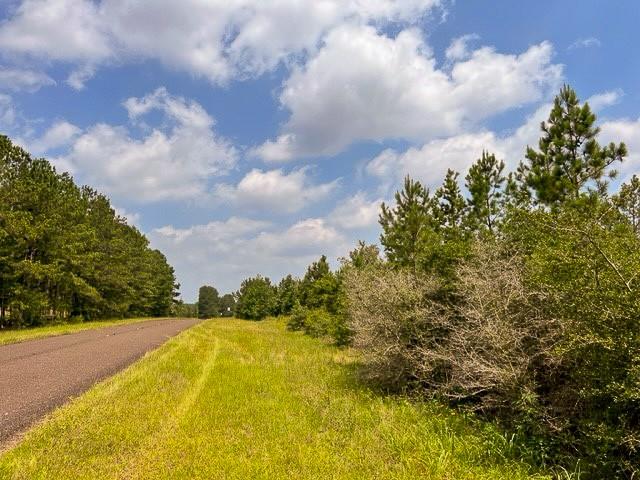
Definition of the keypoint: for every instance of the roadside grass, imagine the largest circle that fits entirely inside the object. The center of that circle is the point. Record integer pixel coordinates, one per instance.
(235, 399)
(23, 334)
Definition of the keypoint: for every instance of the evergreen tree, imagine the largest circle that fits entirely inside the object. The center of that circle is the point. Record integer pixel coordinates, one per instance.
(319, 287)
(64, 253)
(287, 295)
(404, 226)
(485, 182)
(450, 206)
(208, 302)
(570, 158)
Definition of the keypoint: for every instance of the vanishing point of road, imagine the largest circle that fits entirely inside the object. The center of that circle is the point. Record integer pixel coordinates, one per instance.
(38, 375)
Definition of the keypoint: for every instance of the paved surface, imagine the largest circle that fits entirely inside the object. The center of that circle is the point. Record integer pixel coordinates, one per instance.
(38, 375)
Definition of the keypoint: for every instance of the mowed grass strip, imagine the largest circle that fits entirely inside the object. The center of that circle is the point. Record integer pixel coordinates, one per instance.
(24, 334)
(232, 399)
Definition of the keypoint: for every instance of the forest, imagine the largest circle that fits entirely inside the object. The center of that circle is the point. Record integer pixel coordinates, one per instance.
(515, 297)
(65, 255)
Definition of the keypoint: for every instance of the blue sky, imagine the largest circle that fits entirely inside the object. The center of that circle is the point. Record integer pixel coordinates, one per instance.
(250, 137)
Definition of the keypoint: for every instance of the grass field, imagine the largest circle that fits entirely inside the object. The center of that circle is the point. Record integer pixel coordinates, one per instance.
(242, 400)
(20, 335)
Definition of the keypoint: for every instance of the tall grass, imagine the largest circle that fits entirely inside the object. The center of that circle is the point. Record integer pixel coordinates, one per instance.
(237, 400)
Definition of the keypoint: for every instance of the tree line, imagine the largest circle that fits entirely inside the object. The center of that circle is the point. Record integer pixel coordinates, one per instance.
(65, 255)
(517, 298)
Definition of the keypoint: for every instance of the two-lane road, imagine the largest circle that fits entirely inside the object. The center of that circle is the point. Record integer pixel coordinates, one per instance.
(38, 375)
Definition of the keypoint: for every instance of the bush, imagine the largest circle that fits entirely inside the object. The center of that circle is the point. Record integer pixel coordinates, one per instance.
(394, 315)
(319, 323)
(544, 337)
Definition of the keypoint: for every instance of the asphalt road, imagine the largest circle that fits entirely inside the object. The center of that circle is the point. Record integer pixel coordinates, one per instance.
(38, 375)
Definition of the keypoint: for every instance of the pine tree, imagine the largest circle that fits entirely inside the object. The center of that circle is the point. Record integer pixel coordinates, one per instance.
(405, 226)
(570, 158)
(485, 182)
(450, 206)
(287, 295)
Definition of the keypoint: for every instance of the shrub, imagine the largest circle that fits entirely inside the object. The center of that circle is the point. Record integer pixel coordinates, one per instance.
(393, 315)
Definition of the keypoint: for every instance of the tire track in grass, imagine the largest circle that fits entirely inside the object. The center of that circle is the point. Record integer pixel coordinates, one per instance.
(146, 451)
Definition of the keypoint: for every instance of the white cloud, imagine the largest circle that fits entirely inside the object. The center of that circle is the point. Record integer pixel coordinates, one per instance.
(80, 76)
(60, 134)
(17, 79)
(459, 47)
(392, 88)
(356, 212)
(214, 40)
(430, 162)
(7, 112)
(585, 43)
(603, 100)
(66, 30)
(225, 252)
(627, 131)
(274, 190)
(173, 162)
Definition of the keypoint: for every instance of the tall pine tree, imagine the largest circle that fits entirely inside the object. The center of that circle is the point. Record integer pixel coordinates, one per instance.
(569, 158)
(485, 182)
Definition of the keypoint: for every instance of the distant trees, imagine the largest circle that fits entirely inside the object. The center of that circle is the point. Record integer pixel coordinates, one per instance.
(256, 299)
(208, 302)
(227, 305)
(64, 253)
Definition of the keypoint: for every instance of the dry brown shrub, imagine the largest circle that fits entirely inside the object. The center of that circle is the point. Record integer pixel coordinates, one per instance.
(501, 338)
(487, 347)
(391, 313)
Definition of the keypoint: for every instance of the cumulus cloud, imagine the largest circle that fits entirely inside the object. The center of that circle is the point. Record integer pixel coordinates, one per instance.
(63, 30)
(459, 47)
(392, 88)
(627, 131)
(356, 212)
(240, 247)
(274, 190)
(17, 79)
(60, 134)
(175, 161)
(600, 101)
(430, 162)
(214, 40)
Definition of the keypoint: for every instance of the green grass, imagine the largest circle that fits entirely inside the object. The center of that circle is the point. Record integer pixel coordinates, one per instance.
(231, 399)
(20, 335)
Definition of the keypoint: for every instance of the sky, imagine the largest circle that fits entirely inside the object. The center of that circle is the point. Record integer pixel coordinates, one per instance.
(253, 136)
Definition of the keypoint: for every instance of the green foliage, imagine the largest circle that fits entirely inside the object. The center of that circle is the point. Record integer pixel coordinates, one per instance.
(522, 301)
(256, 299)
(628, 202)
(320, 286)
(407, 228)
(227, 305)
(184, 310)
(569, 157)
(287, 295)
(208, 302)
(64, 253)
(485, 182)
